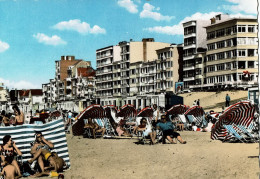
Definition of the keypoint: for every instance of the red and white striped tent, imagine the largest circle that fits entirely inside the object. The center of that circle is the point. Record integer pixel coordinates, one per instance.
(127, 111)
(241, 113)
(146, 112)
(197, 112)
(93, 111)
(177, 109)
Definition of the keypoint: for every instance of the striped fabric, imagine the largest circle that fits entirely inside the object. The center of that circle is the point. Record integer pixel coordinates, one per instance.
(127, 111)
(24, 135)
(177, 109)
(146, 112)
(241, 113)
(197, 112)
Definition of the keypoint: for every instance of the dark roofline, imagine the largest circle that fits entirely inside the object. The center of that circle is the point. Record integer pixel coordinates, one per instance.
(104, 48)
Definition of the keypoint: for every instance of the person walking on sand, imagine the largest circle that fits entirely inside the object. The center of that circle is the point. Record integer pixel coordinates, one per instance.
(227, 100)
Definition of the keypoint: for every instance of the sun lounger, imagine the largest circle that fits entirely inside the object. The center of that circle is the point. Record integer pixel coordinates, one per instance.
(235, 136)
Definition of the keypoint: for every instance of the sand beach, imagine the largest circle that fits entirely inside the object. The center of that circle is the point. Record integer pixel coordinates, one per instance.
(200, 158)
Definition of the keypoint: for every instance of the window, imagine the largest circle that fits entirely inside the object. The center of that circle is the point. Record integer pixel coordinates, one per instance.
(241, 41)
(228, 66)
(234, 29)
(211, 46)
(220, 33)
(251, 28)
(228, 31)
(211, 35)
(234, 53)
(220, 55)
(211, 57)
(241, 53)
(241, 28)
(221, 44)
(211, 68)
(234, 65)
(251, 52)
(228, 54)
(228, 77)
(251, 64)
(229, 43)
(220, 67)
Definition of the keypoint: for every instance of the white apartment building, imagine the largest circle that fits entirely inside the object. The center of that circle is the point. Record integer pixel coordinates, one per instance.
(194, 46)
(134, 73)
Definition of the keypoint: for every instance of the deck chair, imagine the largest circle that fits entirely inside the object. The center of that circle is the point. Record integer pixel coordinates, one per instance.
(110, 131)
(235, 136)
(140, 134)
(245, 131)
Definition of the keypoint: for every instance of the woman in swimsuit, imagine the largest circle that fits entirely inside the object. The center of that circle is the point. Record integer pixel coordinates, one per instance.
(10, 150)
(19, 116)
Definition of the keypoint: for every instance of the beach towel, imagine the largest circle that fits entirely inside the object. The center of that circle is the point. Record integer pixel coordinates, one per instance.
(24, 135)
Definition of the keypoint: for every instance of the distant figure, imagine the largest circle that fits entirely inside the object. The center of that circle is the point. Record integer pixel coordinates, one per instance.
(68, 124)
(198, 102)
(194, 103)
(227, 100)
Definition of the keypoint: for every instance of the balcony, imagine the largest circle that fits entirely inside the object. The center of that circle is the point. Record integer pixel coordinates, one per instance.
(186, 68)
(188, 78)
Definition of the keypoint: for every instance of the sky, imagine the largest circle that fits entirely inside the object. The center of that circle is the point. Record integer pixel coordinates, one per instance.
(36, 33)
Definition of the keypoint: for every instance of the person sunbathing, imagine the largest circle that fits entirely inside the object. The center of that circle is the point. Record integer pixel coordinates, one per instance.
(167, 129)
(121, 130)
(94, 127)
(147, 130)
(9, 170)
(56, 163)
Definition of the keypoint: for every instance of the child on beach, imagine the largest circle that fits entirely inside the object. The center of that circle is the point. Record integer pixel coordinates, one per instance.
(9, 170)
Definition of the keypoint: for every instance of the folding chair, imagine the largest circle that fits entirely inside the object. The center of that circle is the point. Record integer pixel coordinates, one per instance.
(234, 134)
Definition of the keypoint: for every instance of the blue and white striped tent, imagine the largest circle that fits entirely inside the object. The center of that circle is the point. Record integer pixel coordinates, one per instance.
(24, 135)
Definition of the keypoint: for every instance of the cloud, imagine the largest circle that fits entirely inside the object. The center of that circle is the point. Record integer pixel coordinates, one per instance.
(129, 5)
(3, 46)
(19, 84)
(53, 40)
(80, 27)
(246, 6)
(177, 29)
(148, 12)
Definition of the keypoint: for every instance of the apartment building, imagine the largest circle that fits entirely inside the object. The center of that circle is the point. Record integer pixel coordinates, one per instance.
(194, 46)
(73, 86)
(134, 72)
(232, 56)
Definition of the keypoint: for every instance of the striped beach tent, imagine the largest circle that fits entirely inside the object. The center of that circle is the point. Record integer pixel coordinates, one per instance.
(197, 114)
(241, 113)
(127, 111)
(177, 109)
(146, 112)
(24, 135)
(93, 111)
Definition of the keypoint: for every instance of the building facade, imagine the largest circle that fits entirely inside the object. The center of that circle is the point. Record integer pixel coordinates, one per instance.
(232, 55)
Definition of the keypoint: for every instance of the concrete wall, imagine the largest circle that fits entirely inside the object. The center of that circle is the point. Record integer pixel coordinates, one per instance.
(116, 53)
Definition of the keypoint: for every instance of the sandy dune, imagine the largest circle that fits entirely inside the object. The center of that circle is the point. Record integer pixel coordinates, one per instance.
(212, 100)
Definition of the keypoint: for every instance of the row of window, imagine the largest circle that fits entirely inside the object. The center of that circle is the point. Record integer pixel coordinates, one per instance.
(165, 55)
(232, 30)
(232, 53)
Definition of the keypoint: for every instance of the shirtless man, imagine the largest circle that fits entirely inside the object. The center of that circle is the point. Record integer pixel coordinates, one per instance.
(56, 163)
(94, 127)
(40, 142)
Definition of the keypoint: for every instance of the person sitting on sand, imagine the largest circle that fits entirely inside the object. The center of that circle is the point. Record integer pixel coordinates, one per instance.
(56, 163)
(95, 128)
(147, 130)
(9, 170)
(167, 129)
(121, 130)
(8, 152)
(40, 143)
